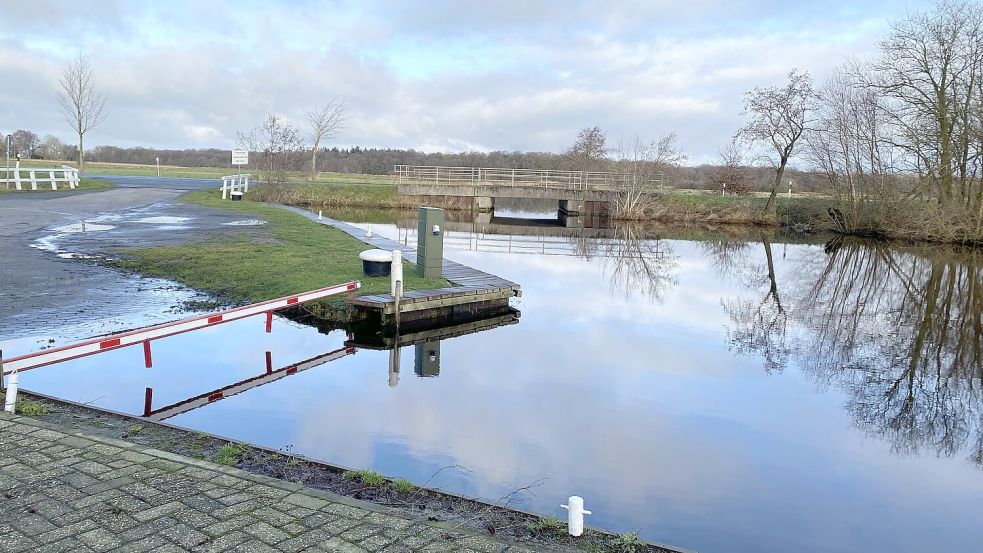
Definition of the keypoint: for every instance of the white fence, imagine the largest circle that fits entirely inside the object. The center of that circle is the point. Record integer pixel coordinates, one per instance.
(20, 176)
(234, 184)
(528, 178)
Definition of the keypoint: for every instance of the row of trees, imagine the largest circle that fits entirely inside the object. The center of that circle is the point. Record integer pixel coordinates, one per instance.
(899, 138)
(29, 145)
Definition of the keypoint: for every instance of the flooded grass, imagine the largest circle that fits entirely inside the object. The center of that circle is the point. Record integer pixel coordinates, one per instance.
(289, 255)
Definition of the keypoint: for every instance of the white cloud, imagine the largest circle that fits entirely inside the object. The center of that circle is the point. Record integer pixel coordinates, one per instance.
(457, 75)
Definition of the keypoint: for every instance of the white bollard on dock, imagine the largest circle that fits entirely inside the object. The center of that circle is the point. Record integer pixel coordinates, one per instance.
(396, 274)
(575, 515)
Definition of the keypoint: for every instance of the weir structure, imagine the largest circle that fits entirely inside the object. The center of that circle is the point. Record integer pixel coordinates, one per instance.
(570, 188)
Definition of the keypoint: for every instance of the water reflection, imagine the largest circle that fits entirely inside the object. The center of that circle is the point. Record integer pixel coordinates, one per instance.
(654, 406)
(898, 330)
(901, 332)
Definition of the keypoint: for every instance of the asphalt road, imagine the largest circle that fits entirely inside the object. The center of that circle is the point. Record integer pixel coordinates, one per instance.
(173, 183)
(51, 281)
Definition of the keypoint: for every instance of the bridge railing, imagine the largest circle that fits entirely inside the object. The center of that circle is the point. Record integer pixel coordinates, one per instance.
(20, 176)
(581, 181)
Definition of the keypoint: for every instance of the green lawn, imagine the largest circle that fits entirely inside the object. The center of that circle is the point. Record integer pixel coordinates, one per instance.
(84, 184)
(296, 255)
(134, 169)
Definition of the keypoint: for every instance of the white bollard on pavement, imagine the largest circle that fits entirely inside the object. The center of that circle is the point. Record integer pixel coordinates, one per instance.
(11, 400)
(575, 515)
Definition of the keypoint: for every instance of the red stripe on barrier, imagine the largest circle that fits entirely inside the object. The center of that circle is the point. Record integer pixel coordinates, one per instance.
(291, 370)
(85, 348)
(216, 396)
(109, 343)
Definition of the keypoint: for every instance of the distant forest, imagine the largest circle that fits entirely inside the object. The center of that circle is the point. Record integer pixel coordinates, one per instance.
(378, 161)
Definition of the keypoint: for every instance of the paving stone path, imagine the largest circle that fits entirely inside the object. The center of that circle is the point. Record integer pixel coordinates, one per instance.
(62, 490)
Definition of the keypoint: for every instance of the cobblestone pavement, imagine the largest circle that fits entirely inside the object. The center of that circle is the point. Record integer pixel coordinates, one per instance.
(65, 491)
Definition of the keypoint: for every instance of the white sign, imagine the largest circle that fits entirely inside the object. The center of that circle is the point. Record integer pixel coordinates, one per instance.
(240, 157)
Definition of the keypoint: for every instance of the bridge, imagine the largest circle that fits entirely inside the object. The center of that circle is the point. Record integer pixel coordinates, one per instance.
(570, 188)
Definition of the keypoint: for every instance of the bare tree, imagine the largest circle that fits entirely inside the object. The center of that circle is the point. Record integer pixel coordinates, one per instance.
(25, 143)
(930, 72)
(277, 143)
(325, 122)
(81, 102)
(733, 173)
(779, 116)
(590, 151)
(641, 167)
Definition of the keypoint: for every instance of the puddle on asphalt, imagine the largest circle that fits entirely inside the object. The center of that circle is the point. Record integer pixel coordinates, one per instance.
(82, 227)
(163, 220)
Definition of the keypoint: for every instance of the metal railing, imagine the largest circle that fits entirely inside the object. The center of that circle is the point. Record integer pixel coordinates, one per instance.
(580, 181)
(35, 175)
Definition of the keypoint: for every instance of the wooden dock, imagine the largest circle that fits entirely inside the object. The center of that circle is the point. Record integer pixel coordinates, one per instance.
(473, 289)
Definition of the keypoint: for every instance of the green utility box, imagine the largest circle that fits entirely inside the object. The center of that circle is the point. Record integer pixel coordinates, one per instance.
(430, 242)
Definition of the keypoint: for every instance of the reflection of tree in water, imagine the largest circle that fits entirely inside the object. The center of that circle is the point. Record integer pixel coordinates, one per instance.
(758, 325)
(900, 331)
(633, 263)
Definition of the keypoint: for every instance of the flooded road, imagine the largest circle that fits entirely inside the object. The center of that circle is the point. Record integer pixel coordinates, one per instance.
(742, 392)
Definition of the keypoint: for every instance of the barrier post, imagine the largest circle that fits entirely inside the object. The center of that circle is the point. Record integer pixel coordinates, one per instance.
(10, 402)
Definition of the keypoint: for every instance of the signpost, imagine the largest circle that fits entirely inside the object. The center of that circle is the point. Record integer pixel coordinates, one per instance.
(240, 158)
(6, 169)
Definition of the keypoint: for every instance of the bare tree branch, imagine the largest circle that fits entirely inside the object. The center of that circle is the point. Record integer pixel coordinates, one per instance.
(82, 104)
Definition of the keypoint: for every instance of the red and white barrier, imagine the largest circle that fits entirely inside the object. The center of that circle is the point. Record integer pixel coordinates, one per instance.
(145, 335)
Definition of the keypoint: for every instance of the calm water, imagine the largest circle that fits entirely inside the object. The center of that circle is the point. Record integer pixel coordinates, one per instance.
(738, 394)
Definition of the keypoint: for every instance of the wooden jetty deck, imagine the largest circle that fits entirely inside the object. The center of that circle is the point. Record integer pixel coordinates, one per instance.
(472, 287)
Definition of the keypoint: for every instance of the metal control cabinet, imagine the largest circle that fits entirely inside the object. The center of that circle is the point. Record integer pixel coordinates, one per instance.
(430, 242)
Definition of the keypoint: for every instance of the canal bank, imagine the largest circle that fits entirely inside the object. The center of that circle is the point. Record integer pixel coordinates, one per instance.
(77, 478)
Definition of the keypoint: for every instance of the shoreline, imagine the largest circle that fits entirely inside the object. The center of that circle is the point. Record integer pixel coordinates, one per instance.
(434, 506)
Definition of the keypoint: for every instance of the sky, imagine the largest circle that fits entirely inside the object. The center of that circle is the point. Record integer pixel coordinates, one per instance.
(440, 75)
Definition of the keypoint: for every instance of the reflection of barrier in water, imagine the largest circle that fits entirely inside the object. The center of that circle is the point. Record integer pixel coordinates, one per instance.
(268, 377)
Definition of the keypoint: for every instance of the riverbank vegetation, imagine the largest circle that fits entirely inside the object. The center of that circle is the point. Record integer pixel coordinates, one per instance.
(289, 254)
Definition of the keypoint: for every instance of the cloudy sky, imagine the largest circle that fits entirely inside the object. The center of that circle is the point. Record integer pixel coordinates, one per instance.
(435, 75)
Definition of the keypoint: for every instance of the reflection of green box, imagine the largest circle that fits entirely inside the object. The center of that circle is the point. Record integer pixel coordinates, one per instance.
(430, 242)
(427, 362)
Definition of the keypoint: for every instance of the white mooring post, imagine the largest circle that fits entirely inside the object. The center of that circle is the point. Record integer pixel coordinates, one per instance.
(396, 274)
(225, 182)
(575, 515)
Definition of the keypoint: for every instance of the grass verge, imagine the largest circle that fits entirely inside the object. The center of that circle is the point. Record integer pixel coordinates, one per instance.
(84, 184)
(143, 170)
(293, 254)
